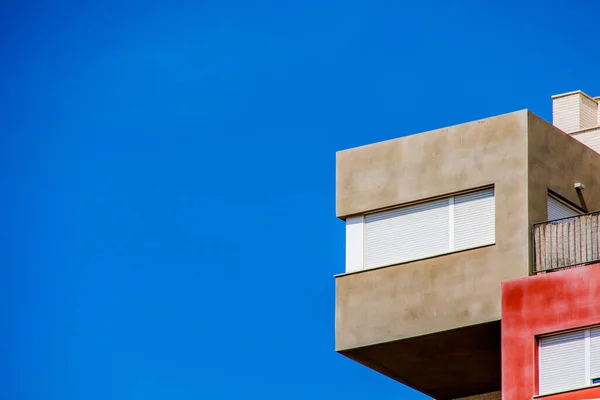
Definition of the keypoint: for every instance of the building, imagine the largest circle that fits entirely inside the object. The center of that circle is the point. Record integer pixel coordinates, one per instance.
(457, 283)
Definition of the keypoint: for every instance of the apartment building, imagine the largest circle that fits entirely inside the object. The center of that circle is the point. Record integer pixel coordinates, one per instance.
(473, 256)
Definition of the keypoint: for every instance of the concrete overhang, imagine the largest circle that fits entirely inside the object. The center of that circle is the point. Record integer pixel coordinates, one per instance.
(443, 365)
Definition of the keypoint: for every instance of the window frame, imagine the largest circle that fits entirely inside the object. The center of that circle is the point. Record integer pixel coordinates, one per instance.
(555, 196)
(356, 257)
(586, 360)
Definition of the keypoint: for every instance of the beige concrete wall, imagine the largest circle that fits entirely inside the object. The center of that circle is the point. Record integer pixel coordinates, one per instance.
(429, 164)
(448, 291)
(556, 162)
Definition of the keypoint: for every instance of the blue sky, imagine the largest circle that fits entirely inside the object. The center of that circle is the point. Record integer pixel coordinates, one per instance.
(168, 175)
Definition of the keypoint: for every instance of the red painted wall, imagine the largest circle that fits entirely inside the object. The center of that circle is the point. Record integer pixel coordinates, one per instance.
(542, 304)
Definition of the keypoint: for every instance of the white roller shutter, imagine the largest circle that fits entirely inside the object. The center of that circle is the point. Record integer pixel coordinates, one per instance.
(557, 209)
(594, 353)
(406, 233)
(562, 362)
(474, 219)
(354, 243)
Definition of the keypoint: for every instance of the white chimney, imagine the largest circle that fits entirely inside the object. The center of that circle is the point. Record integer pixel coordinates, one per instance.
(578, 114)
(575, 111)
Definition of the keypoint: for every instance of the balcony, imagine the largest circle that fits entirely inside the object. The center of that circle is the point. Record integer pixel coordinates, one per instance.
(566, 243)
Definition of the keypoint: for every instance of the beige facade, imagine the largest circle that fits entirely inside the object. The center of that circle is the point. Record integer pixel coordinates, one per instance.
(426, 322)
(555, 162)
(443, 292)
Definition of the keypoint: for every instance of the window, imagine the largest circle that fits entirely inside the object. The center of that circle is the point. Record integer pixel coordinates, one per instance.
(558, 209)
(421, 230)
(569, 360)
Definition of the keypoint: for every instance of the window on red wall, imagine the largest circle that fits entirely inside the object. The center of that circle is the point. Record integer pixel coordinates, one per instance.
(569, 360)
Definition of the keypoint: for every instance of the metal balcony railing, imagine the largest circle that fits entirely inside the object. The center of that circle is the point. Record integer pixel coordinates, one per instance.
(566, 242)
